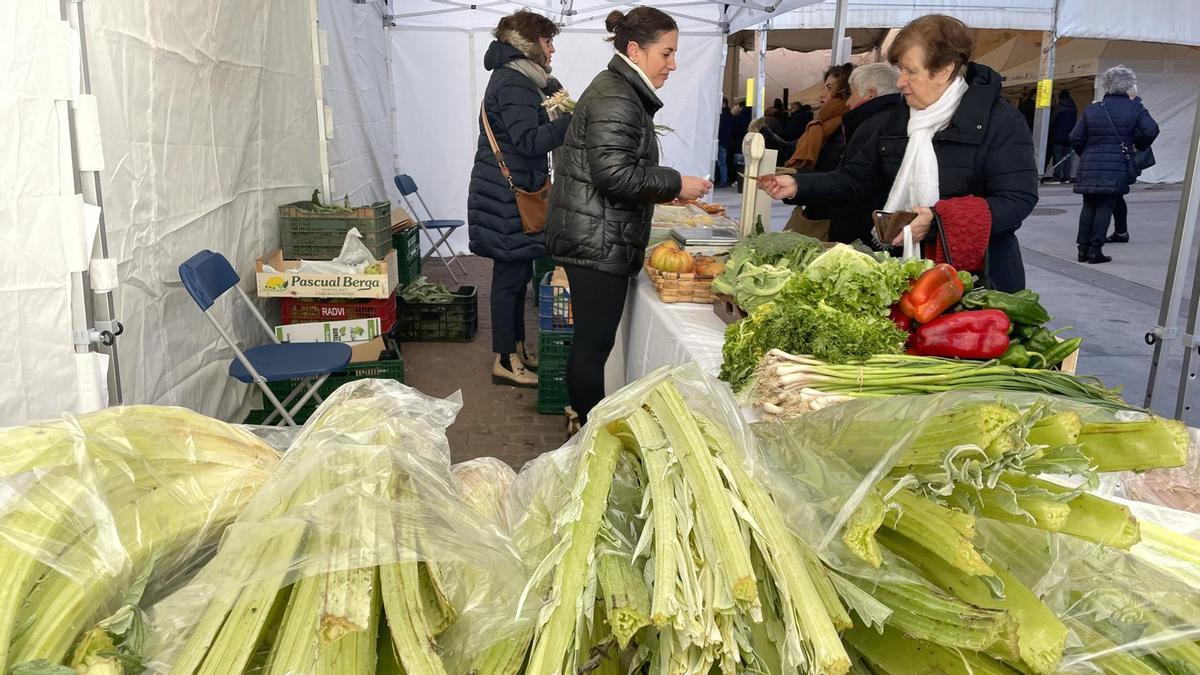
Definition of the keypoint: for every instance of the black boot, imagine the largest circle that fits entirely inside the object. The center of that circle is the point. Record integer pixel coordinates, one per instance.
(1083, 252)
(1096, 256)
(1118, 238)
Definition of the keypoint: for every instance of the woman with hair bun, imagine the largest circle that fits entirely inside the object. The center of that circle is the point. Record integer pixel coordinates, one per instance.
(608, 180)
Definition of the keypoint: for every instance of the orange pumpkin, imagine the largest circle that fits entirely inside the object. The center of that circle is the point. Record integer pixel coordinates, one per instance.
(673, 260)
(709, 268)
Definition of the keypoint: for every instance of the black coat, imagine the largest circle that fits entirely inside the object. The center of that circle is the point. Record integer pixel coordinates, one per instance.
(1103, 169)
(852, 222)
(986, 151)
(525, 135)
(1063, 119)
(796, 124)
(608, 177)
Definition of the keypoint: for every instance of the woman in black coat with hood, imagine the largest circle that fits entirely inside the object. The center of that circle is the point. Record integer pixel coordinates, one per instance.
(608, 181)
(1105, 138)
(527, 133)
(957, 155)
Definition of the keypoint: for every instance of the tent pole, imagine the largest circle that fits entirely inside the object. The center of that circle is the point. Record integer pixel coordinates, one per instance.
(838, 53)
(1045, 89)
(760, 85)
(73, 12)
(1181, 251)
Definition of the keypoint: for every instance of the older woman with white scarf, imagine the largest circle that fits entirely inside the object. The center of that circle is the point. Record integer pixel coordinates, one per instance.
(958, 156)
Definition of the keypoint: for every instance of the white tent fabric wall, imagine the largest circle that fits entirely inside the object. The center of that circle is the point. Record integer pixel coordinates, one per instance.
(437, 115)
(205, 133)
(1171, 92)
(37, 354)
(357, 91)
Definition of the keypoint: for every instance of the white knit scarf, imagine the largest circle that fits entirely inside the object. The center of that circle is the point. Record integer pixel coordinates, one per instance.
(917, 182)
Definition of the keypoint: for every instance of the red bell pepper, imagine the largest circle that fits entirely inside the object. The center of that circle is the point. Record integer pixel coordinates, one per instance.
(935, 291)
(981, 334)
(902, 322)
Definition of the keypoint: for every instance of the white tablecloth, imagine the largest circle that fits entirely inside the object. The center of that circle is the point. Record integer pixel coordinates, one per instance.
(654, 334)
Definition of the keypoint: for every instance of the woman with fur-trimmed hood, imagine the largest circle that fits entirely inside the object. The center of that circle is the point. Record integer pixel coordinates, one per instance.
(519, 60)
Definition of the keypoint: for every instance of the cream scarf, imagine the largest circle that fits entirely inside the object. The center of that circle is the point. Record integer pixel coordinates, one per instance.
(638, 69)
(917, 182)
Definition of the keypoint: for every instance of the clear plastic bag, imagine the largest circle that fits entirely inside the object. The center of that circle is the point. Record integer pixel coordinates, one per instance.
(112, 509)
(366, 484)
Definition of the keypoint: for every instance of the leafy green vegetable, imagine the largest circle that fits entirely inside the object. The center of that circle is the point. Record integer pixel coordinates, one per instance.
(817, 329)
(781, 250)
(759, 284)
(425, 291)
(852, 281)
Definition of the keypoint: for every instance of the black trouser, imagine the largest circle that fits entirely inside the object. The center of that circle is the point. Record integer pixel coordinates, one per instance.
(1093, 221)
(509, 280)
(1121, 216)
(597, 302)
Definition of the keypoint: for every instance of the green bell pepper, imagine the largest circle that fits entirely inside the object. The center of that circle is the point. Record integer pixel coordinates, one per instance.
(1020, 309)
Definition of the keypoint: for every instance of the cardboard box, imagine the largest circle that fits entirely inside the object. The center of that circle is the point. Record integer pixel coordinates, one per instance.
(356, 330)
(366, 352)
(287, 284)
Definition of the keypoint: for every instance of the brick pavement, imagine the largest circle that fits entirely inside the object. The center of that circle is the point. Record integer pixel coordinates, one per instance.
(496, 421)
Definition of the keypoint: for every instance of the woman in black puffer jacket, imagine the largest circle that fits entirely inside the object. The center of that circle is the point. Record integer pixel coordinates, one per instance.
(607, 183)
(1108, 131)
(519, 60)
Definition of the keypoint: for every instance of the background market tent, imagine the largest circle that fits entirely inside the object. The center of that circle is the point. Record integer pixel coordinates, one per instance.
(1168, 82)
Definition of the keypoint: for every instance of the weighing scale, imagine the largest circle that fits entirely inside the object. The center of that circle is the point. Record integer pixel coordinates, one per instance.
(756, 204)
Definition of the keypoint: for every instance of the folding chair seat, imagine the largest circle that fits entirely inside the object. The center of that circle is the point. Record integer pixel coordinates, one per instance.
(428, 224)
(207, 276)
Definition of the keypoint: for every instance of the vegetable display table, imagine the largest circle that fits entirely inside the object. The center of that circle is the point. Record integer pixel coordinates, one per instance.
(654, 334)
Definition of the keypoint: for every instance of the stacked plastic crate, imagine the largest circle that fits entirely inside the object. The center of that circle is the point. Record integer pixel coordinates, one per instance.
(556, 328)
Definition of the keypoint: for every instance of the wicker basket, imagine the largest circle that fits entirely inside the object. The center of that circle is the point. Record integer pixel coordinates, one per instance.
(681, 286)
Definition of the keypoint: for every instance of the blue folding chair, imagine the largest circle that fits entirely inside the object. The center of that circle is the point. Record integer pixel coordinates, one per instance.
(427, 223)
(207, 276)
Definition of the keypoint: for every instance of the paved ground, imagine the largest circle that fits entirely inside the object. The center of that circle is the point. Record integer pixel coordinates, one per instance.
(1112, 306)
(495, 421)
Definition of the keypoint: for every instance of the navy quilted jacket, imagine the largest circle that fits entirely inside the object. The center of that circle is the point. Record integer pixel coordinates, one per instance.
(526, 136)
(1103, 169)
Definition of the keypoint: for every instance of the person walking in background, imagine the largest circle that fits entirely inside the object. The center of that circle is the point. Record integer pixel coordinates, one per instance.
(1062, 121)
(724, 143)
(1120, 233)
(799, 118)
(608, 181)
(519, 60)
(742, 116)
(1106, 138)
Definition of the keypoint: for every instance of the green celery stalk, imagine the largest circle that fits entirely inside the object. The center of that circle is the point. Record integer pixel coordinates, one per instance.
(439, 611)
(1092, 518)
(727, 549)
(896, 654)
(503, 658)
(1040, 636)
(626, 598)
(1114, 662)
(805, 610)
(556, 635)
(944, 532)
(859, 533)
(1055, 431)
(1153, 443)
(927, 613)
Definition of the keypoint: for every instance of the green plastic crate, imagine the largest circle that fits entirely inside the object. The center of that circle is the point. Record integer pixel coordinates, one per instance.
(409, 272)
(553, 349)
(407, 242)
(320, 236)
(454, 321)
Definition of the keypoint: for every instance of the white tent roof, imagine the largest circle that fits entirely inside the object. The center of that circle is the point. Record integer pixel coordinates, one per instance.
(693, 16)
(1149, 20)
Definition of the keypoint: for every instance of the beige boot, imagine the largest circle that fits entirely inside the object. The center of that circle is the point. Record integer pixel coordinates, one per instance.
(517, 377)
(572, 421)
(530, 360)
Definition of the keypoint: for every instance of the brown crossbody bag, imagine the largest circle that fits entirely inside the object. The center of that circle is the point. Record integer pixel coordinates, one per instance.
(532, 205)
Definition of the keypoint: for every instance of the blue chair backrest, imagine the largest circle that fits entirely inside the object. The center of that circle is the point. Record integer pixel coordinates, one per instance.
(406, 184)
(207, 276)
